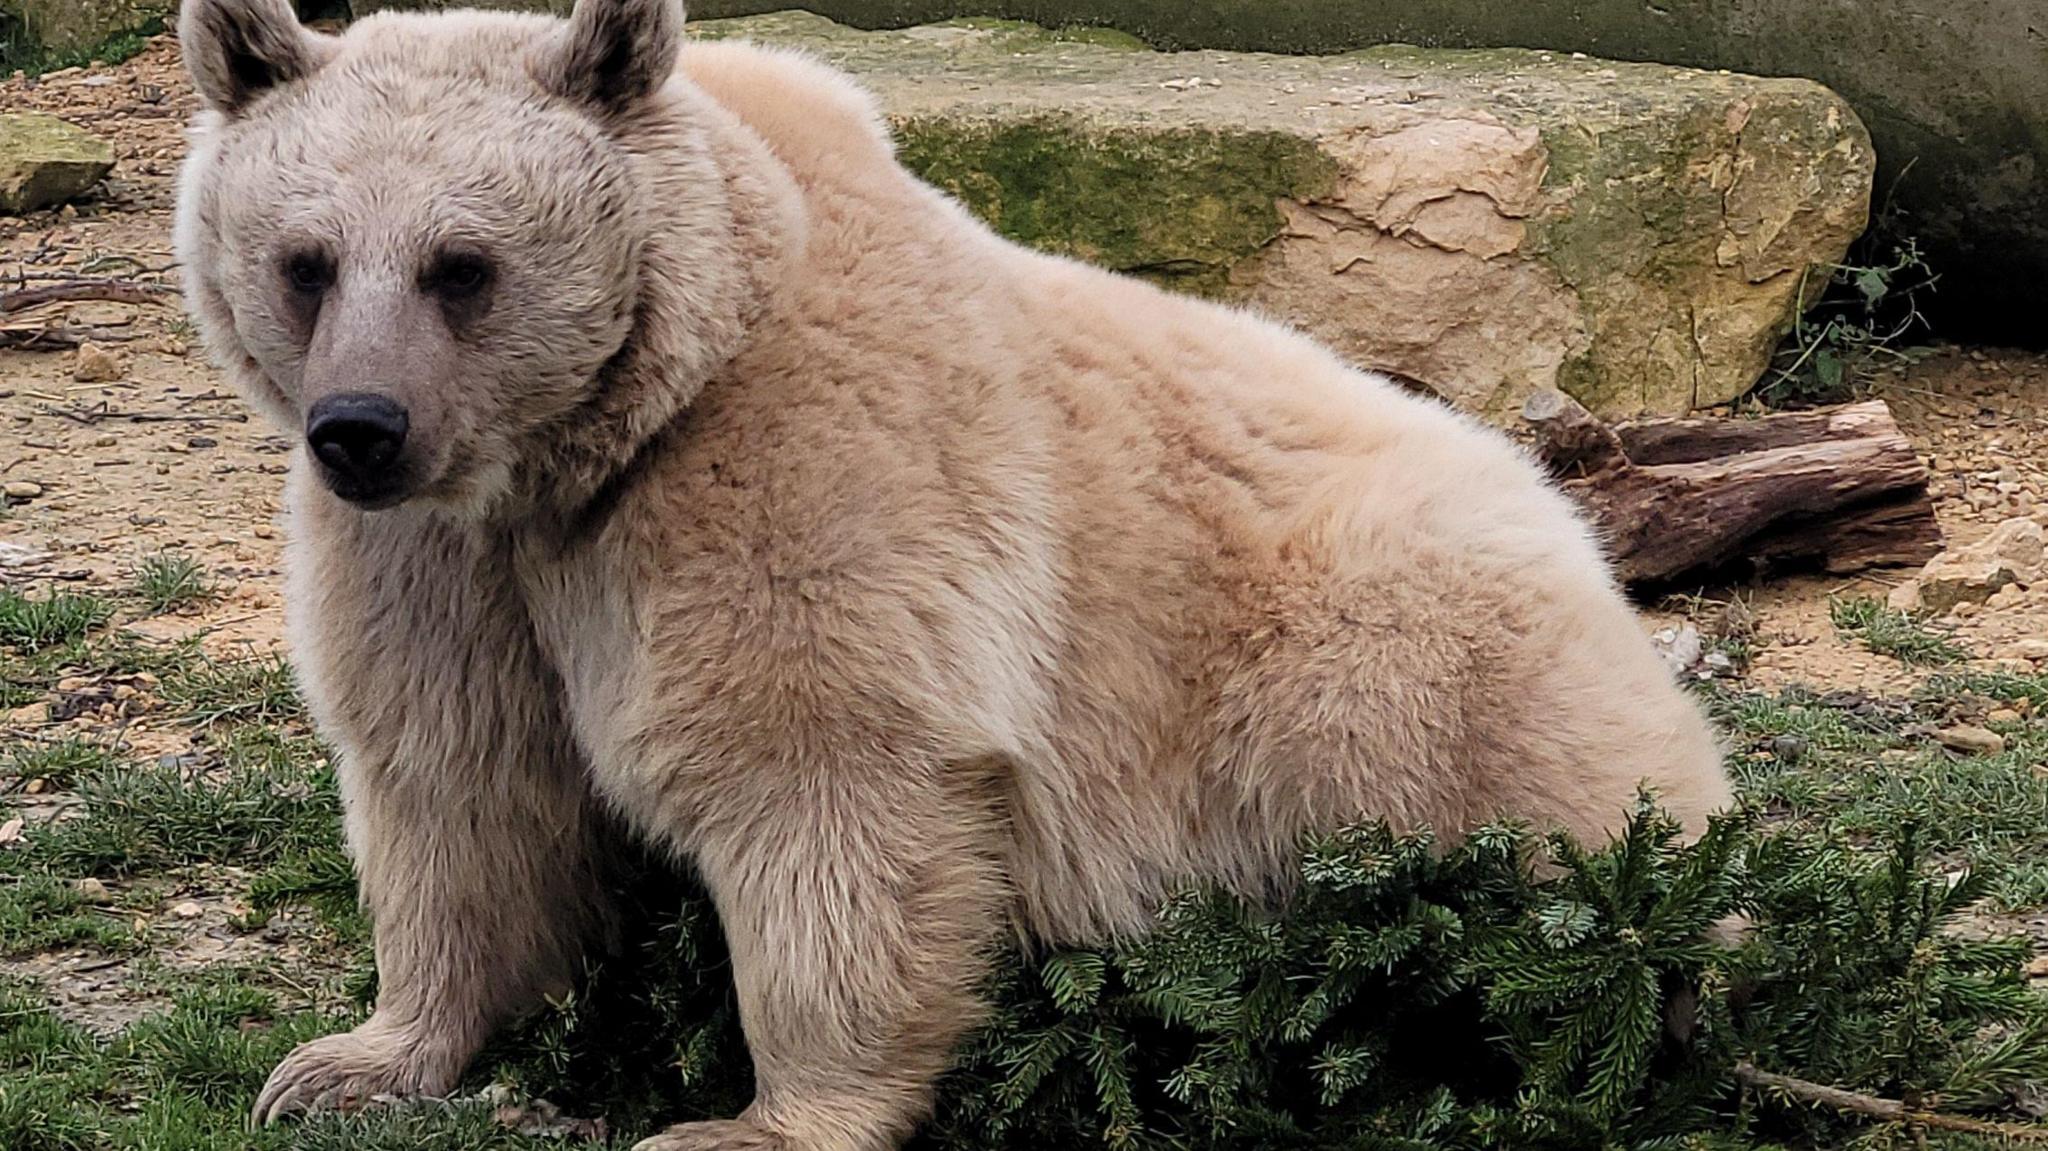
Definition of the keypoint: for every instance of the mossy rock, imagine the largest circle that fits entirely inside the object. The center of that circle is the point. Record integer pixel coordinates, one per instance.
(45, 161)
(1487, 223)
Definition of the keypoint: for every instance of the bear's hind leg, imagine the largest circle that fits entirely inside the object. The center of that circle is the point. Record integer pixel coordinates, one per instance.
(859, 921)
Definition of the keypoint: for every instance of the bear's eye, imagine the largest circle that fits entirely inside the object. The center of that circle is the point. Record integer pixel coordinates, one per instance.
(457, 275)
(308, 272)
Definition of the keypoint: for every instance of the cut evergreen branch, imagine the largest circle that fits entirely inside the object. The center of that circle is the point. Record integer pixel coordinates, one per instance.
(1415, 996)
(1890, 1110)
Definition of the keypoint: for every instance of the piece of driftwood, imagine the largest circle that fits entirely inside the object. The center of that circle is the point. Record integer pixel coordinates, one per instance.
(1841, 489)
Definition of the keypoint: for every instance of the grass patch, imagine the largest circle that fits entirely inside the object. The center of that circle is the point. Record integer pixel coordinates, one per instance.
(33, 624)
(19, 49)
(254, 810)
(258, 690)
(62, 762)
(171, 580)
(1412, 997)
(1867, 768)
(40, 913)
(1894, 633)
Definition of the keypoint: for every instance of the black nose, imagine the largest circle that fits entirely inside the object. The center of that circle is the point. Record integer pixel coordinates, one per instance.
(358, 437)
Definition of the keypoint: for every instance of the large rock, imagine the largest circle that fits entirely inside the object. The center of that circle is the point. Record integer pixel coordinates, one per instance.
(45, 161)
(1487, 223)
(1955, 91)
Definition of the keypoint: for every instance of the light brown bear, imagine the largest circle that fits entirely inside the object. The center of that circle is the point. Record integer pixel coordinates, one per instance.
(672, 456)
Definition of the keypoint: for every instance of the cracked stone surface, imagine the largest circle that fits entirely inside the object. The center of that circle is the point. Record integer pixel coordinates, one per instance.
(1486, 223)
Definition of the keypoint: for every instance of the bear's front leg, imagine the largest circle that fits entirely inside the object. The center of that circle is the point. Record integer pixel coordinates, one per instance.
(475, 836)
(481, 890)
(859, 910)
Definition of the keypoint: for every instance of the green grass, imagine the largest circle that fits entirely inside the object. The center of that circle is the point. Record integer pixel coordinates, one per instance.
(39, 912)
(258, 690)
(171, 580)
(32, 623)
(1866, 767)
(60, 763)
(264, 803)
(1894, 633)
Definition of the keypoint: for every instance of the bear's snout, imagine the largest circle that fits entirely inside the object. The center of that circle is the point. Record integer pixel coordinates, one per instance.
(359, 439)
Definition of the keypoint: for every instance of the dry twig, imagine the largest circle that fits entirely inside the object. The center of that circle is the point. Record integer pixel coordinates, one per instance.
(1877, 1107)
(118, 291)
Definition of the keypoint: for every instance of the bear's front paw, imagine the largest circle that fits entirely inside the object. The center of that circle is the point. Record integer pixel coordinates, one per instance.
(344, 1072)
(723, 1135)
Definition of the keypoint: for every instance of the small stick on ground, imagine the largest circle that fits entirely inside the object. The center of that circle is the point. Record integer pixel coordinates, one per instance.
(1878, 1107)
(32, 275)
(118, 291)
(53, 339)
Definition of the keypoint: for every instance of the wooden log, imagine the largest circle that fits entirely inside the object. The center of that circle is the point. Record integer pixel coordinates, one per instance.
(1840, 489)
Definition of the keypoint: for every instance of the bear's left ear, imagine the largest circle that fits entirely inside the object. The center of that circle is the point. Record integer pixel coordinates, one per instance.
(237, 50)
(614, 52)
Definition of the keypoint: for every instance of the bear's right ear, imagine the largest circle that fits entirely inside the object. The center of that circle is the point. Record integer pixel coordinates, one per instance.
(237, 50)
(613, 52)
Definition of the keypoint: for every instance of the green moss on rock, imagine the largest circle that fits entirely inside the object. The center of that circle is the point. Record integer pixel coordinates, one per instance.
(1209, 198)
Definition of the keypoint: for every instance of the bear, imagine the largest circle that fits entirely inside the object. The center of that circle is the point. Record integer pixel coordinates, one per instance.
(671, 466)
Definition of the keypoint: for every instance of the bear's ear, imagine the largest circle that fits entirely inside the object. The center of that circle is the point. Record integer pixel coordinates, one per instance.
(237, 50)
(614, 52)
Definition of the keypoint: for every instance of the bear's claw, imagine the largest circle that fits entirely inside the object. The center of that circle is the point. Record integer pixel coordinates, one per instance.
(344, 1072)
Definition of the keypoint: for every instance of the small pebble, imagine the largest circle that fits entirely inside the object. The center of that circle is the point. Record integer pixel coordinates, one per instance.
(1971, 740)
(1788, 748)
(22, 489)
(96, 365)
(188, 910)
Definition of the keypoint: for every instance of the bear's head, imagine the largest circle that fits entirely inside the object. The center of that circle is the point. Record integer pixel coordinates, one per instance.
(474, 259)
